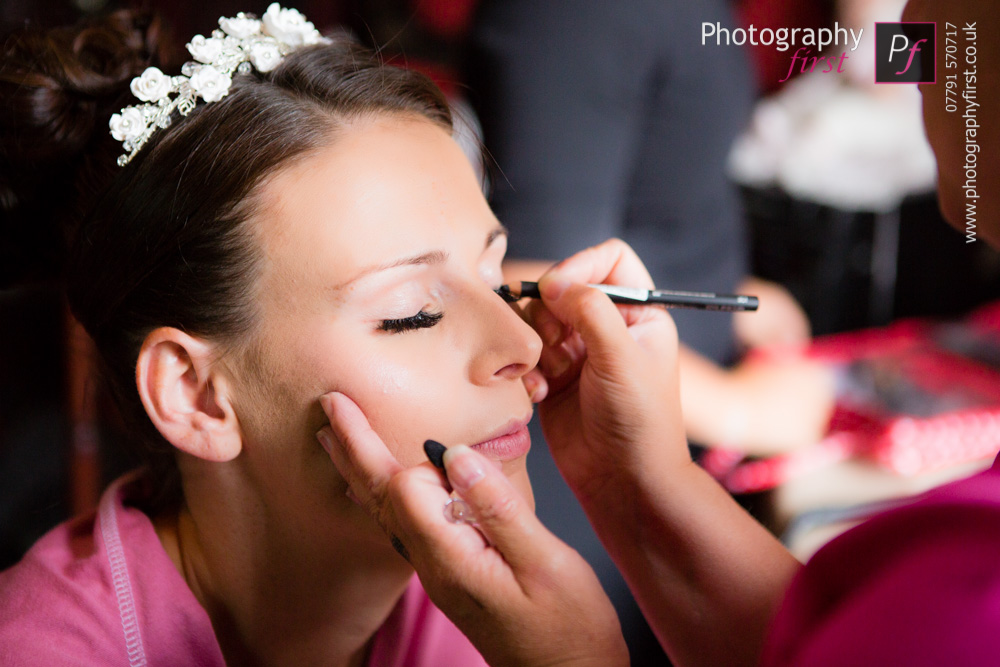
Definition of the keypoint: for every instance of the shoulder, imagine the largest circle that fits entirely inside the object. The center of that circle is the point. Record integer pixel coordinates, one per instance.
(418, 634)
(55, 607)
(101, 591)
(918, 585)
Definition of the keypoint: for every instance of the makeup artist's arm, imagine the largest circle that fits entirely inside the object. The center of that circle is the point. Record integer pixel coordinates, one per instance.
(521, 595)
(762, 407)
(707, 576)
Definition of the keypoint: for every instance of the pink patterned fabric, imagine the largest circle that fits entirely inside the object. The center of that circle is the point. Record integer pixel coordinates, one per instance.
(101, 591)
(964, 425)
(919, 585)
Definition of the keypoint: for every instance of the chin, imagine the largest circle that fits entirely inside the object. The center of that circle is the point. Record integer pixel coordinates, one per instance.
(519, 478)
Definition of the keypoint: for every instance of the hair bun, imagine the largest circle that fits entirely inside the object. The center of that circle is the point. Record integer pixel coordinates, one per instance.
(59, 87)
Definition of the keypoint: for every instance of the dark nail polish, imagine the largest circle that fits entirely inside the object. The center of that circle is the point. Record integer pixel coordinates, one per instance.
(435, 452)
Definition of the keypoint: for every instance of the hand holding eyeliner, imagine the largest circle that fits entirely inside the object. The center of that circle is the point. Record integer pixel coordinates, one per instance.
(639, 296)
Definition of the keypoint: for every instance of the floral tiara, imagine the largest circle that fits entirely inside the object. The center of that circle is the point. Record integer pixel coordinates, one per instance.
(243, 41)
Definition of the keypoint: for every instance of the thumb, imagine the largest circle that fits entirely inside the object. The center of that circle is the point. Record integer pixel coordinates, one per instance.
(502, 514)
(588, 311)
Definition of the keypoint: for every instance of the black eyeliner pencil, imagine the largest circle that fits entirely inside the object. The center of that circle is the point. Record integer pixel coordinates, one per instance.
(639, 296)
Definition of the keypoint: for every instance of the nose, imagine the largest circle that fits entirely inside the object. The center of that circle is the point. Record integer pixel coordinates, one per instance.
(509, 348)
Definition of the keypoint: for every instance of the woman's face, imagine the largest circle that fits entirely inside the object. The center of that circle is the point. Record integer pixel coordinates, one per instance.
(381, 260)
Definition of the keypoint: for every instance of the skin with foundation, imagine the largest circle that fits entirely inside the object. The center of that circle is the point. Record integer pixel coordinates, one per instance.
(382, 257)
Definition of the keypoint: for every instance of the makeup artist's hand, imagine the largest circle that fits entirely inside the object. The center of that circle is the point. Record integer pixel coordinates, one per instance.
(699, 566)
(521, 595)
(612, 407)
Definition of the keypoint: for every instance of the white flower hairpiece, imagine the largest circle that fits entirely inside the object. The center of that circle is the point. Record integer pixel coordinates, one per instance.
(242, 42)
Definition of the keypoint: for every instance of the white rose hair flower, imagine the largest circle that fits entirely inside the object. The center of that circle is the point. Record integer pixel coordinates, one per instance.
(210, 83)
(289, 26)
(242, 43)
(204, 50)
(127, 125)
(240, 27)
(152, 86)
(264, 56)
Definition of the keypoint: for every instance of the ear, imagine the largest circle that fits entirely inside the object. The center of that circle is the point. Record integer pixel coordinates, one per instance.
(187, 396)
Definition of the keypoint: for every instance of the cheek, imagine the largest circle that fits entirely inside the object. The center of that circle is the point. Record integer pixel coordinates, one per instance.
(404, 395)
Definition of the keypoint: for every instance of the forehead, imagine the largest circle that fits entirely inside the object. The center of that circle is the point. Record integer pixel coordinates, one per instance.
(384, 187)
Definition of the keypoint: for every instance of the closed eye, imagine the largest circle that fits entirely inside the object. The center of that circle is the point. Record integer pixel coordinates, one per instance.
(422, 320)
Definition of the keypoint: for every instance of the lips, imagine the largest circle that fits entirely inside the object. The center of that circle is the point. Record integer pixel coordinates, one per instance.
(509, 442)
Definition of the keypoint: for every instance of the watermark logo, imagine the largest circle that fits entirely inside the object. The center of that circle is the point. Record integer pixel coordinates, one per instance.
(904, 53)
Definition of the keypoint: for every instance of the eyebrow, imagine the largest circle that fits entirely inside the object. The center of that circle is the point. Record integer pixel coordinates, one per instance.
(431, 257)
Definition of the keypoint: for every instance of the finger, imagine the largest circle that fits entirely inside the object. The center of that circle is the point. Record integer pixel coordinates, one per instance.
(361, 457)
(548, 326)
(590, 313)
(554, 362)
(415, 521)
(502, 514)
(536, 385)
(418, 498)
(612, 262)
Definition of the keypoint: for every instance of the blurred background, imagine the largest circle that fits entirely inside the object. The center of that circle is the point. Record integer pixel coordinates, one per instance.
(697, 155)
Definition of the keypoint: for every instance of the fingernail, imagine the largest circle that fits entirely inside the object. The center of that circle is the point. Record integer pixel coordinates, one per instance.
(325, 440)
(538, 391)
(553, 288)
(464, 469)
(551, 332)
(353, 498)
(531, 385)
(435, 452)
(556, 364)
(562, 365)
(326, 402)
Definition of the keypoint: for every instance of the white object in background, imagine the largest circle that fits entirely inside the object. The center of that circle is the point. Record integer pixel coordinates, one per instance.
(827, 142)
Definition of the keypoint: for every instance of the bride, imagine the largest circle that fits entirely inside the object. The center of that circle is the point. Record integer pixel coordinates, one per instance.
(283, 218)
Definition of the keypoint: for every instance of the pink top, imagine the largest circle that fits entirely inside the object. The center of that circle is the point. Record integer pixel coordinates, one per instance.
(919, 585)
(102, 591)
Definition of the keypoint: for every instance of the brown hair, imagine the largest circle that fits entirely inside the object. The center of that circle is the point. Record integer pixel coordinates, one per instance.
(164, 241)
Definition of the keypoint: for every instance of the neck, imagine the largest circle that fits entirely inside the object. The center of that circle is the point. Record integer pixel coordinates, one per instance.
(279, 588)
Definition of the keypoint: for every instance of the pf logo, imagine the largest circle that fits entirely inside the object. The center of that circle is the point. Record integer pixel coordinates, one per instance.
(904, 52)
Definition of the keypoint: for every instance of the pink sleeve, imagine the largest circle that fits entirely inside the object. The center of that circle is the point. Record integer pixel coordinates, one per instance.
(917, 586)
(101, 591)
(51, 611)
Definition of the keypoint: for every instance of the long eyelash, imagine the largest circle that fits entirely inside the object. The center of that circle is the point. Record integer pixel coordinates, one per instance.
(421, 320)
